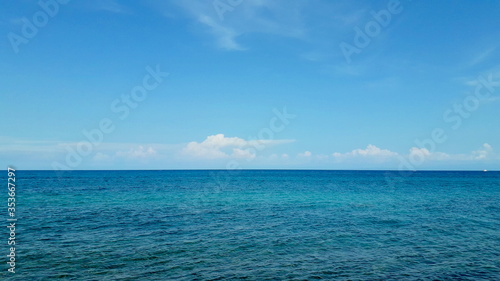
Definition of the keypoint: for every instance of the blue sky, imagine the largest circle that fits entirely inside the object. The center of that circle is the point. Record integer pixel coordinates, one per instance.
(250, 84)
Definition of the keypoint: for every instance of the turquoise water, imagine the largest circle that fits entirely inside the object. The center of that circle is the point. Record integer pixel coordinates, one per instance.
(257, 225)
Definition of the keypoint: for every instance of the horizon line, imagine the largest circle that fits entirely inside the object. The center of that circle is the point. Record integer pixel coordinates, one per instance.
(256, 169)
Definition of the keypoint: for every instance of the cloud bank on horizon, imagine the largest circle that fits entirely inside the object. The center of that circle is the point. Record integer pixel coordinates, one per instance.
(218, 152)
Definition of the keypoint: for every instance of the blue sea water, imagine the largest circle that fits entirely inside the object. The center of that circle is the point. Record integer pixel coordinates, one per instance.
(256, 225)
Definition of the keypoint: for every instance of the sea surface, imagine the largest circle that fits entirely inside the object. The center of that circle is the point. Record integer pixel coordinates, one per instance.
(256, 225)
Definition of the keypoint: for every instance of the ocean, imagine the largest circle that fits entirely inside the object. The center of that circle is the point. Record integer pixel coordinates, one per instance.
(256, 225)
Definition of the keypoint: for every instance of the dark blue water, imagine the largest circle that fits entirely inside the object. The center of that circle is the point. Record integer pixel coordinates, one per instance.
(257, 225)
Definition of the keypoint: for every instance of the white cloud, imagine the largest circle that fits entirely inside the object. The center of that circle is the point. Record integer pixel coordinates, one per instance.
(421, 152)
(369, 151)
(424, 153)
(219, 146)
(243, 153)
(440, 156)
(483, 153)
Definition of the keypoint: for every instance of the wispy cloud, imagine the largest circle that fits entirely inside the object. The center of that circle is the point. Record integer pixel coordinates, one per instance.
(482, 56)
(491, 75)
(12, 145)
(225, 36)
(489, 79)
(139, 152)
(266, 17)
